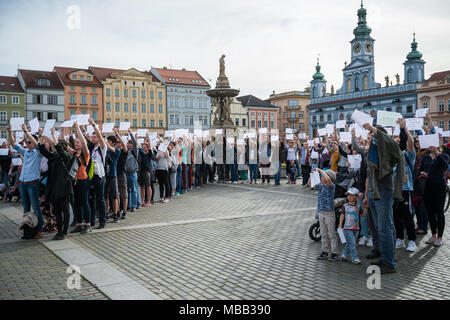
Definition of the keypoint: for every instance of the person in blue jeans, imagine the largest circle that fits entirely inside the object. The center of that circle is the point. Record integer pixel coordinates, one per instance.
(30, 175)
(349, 222)
(132, 169)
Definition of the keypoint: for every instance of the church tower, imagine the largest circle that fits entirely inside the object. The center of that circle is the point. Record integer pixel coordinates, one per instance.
(318, 84)
(360, 73)
(414, 66)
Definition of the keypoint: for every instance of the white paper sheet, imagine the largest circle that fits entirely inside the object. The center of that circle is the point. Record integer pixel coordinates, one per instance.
(340, 124)
(4, 151)
(429, 140)
(414, 123)
(34, 125)
(49, 124)
(240, 142)
(439, 130)
(262, 130)
(345, 137)
(289, 130)
(108, 127)
(141, 132)
(81, 119)
(90, 129)
(396, 131)
(316, 140)
(445, 134)
(314, 155)
(16, 161)
(387, 118)
(315, 178)
(361, 118)
(310, 143)
(124, 126)
(230, 140)
(251, 135)
(330, 129)
(16, 124)
(19, 136)
(162, 147)
(322, 132)
(289, 137)
(421, 113)
(302, 136)
(67, 124)
(2, 141)
(274, 138)
(355, 161)
(341, 235)
(219, 131)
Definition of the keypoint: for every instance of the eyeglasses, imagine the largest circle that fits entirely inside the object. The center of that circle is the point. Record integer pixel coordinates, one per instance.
(28, 142)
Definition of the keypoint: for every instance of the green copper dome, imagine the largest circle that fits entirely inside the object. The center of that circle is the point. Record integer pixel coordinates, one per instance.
(318, 75)
(362, 31)
(414, 54)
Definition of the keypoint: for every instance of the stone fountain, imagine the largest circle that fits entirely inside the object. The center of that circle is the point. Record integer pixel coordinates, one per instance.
(222, 96)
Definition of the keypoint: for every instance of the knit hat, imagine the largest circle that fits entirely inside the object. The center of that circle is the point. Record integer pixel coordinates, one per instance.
(331, 174)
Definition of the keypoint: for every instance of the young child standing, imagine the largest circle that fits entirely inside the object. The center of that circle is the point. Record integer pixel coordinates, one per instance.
(292, 172)
(350, 213)
(327, 218)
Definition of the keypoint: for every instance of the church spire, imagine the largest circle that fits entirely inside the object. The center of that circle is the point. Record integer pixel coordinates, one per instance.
(414, 54)
(362, 31)
(318, 75)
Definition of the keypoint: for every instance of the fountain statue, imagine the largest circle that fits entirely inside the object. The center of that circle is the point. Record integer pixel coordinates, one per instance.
(221, 98)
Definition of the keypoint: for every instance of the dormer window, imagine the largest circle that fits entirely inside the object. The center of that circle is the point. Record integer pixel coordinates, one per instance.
(88, 78)
(74, 77)
(43, 82)
(81, 78)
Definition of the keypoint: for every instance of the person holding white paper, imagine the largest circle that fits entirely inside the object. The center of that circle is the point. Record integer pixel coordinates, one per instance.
(349, 222)
(327, 218)
(5, 163)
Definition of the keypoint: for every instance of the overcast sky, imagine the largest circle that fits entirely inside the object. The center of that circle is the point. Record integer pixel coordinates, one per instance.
(269, 45)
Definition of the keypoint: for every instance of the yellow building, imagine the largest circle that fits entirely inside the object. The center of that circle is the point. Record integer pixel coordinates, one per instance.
(238, 115)
(133, 96)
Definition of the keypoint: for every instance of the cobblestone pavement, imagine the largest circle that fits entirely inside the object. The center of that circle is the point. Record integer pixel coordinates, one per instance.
(250, 242)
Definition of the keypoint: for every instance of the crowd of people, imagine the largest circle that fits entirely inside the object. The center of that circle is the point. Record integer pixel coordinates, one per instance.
(103, 178)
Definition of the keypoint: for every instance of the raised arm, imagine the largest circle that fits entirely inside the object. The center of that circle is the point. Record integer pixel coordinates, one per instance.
(119, 137)
(11, 138)
(100, 139)
(29, 136)
(80, 136)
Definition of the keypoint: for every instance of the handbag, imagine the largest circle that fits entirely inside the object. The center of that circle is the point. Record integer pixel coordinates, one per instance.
(419, 187)
(73, 167)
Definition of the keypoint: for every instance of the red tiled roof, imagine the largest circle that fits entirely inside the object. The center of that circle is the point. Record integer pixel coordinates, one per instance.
(30, 78)
(174, 76)
(10, 84)
(439, 76)
(64, 74)
(102, 73)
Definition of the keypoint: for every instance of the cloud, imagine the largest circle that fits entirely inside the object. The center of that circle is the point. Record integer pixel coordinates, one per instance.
(270, 45)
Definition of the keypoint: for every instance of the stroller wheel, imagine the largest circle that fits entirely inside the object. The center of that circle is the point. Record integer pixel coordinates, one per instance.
(314, 232)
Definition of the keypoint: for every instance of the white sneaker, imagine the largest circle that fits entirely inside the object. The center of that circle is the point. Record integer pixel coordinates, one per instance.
(369, 243)
(363, 241)
(411, 246)
(400, 244)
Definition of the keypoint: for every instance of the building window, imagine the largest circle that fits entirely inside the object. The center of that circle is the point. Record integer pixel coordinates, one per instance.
(83, 99)
(425, 104)
(94, 100)
(253, 123)
(152, 94)
(259, 123)
(15, 100)
(117, 122)
(108, 92)
(448, 125)
(143, 93)
(72, 99)
(152, 123)
(448, 105)
(144, 123)
(134, 93)
(285, 114)
(314, 119)
(292, 114)
(237, 122)
(15, 114)
(410, 76)
(160, 95)
(116, 92)
(143, 108)
(365, 83)
(52, 99)
(160, 108)
(94, 90)
(51, 115)
(301, 126)
(441, 124)
(321, 118)
(292, 103)
(88, 78)
(399, 109)
(134, 123)
(243, 122)
(266, 124)
(83, 112)
(152, 107)
(300, 114)
(71, 112)
(72, 88)
(38, 99)
(74, 77)
(3, 116)
(272, 124)
(389, 109)
(329, 118)
(3, 99)
(43, 82)
(108, 106)
(94, 115)
(409, 109)
(172, 119)
(161, 124)
(108, 120)
(441, 106)
(83, 89)
(125, 107)
(81, 78)
(117, 106)
(38, 115)
(349, 85)
(125, 93)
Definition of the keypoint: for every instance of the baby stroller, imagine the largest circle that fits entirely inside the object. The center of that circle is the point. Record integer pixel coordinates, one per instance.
(314, 229)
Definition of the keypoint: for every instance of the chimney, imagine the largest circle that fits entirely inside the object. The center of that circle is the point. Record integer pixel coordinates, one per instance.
(164, 67)
(183, 69)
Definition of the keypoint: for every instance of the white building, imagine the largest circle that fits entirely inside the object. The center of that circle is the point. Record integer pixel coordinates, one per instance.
(44, 95)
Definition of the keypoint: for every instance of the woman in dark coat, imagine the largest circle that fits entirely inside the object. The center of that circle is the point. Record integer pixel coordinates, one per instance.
(59, 184)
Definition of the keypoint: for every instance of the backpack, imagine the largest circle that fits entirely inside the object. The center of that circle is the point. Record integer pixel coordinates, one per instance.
(132, 164)
(89, 166)
(28, 232)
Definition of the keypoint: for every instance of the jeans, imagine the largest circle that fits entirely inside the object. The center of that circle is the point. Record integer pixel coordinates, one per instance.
(277, 175)
(4, 178)
(132, 186)
(382, 214)
(350, 246)
(178, 187)
(253, 172)
(184, 177)
(98, 201)
(29, 193)
(198, 181)
(81, 194)
(363, 220)
(163, 180)
(233, 170)
(298, 168)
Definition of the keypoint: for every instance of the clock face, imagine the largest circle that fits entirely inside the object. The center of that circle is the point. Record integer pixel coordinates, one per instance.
(356, 47)
(368, 46)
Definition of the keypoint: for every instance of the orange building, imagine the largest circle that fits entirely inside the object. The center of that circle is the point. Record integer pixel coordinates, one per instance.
(83, 93)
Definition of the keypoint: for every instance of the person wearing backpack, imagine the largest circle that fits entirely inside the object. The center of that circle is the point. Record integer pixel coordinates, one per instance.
(98, 155)
(59, 183)
(132, 169)
(81, 208)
